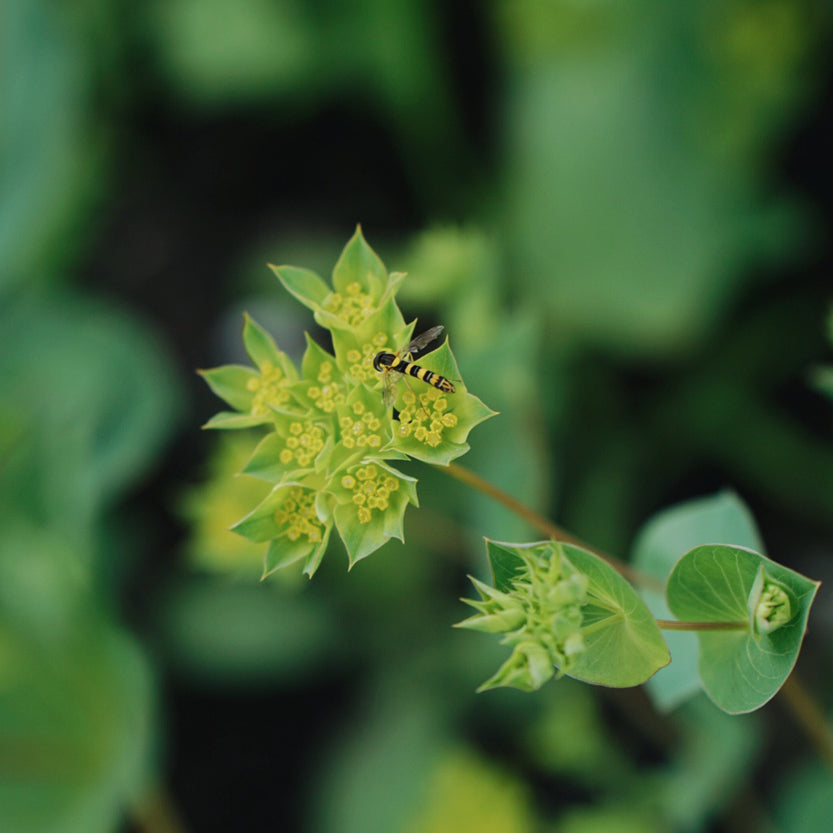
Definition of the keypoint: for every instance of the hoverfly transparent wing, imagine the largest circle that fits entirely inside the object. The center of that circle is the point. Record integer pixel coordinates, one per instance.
(424, 340)
(388, 388)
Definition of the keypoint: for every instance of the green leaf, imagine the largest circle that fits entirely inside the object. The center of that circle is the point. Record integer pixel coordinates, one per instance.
(434, 425)
(262, 349)
(371, 501)
(623, 645)
(303, 284)
(53, 152)
(323, 386)
(213, 505)
(231, 383)
(230, 420)
(740, 669)
(358, 263)
(233, 633)
(294, 449)
(76, 699)
(805, 804)
(710, 761)
(92, 399)
(377, 776)
(723, 518)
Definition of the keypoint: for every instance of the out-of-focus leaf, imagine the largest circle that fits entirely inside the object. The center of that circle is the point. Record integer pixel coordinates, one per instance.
(230, 633)
(722, 518)
(612, 818)
(634, 140)
(467, 794)
(75, 697)
(805, 804)
(498, 354)
(223, 50)
(376, 778)
(214, 506)
(511, 449)
(96, 398)
(714, 757)
(568, 738)
(47, 153)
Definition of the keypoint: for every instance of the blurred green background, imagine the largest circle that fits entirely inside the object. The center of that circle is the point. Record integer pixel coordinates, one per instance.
(622, 213)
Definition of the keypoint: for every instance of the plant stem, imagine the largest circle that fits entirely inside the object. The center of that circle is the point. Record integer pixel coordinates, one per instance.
(674, 625)
(809, 715)
(549, 529)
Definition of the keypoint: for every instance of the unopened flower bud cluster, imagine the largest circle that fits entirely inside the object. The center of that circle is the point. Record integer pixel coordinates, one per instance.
(541, 616)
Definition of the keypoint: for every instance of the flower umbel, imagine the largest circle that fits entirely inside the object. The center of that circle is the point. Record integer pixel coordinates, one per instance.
(541, 616)
(327, 437)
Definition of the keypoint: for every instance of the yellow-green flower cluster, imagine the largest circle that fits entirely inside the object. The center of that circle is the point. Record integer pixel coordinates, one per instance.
(327, 433)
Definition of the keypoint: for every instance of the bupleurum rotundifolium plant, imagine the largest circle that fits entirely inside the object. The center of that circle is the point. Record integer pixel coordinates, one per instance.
(330, 443)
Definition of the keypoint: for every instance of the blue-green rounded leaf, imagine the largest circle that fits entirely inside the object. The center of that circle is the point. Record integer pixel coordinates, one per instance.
(722, 517)
(742, 668)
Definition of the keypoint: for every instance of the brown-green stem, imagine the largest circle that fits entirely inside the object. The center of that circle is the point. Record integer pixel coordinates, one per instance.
(546, 526)
(675, 625)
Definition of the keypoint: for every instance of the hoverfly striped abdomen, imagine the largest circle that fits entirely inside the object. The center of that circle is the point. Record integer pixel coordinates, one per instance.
(384, 362)
(389, 361)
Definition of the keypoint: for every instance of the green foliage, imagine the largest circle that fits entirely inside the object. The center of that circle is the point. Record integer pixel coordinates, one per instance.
(709, 764)
(329, 432)
(722, 517)
(617, 112)
(563, 607)
(741, 669)
(228, 633)
(605, 115)
(75, 709)
(86, 402)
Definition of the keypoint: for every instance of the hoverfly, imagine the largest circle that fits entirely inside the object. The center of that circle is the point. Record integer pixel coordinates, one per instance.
(384, 362)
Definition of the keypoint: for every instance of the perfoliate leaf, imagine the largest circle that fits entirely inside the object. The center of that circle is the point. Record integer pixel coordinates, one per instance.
(371, 500)
(741, 669)
(720, 518)
(624, 645)
(433, 424)
(292, 451)
(620, 644)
